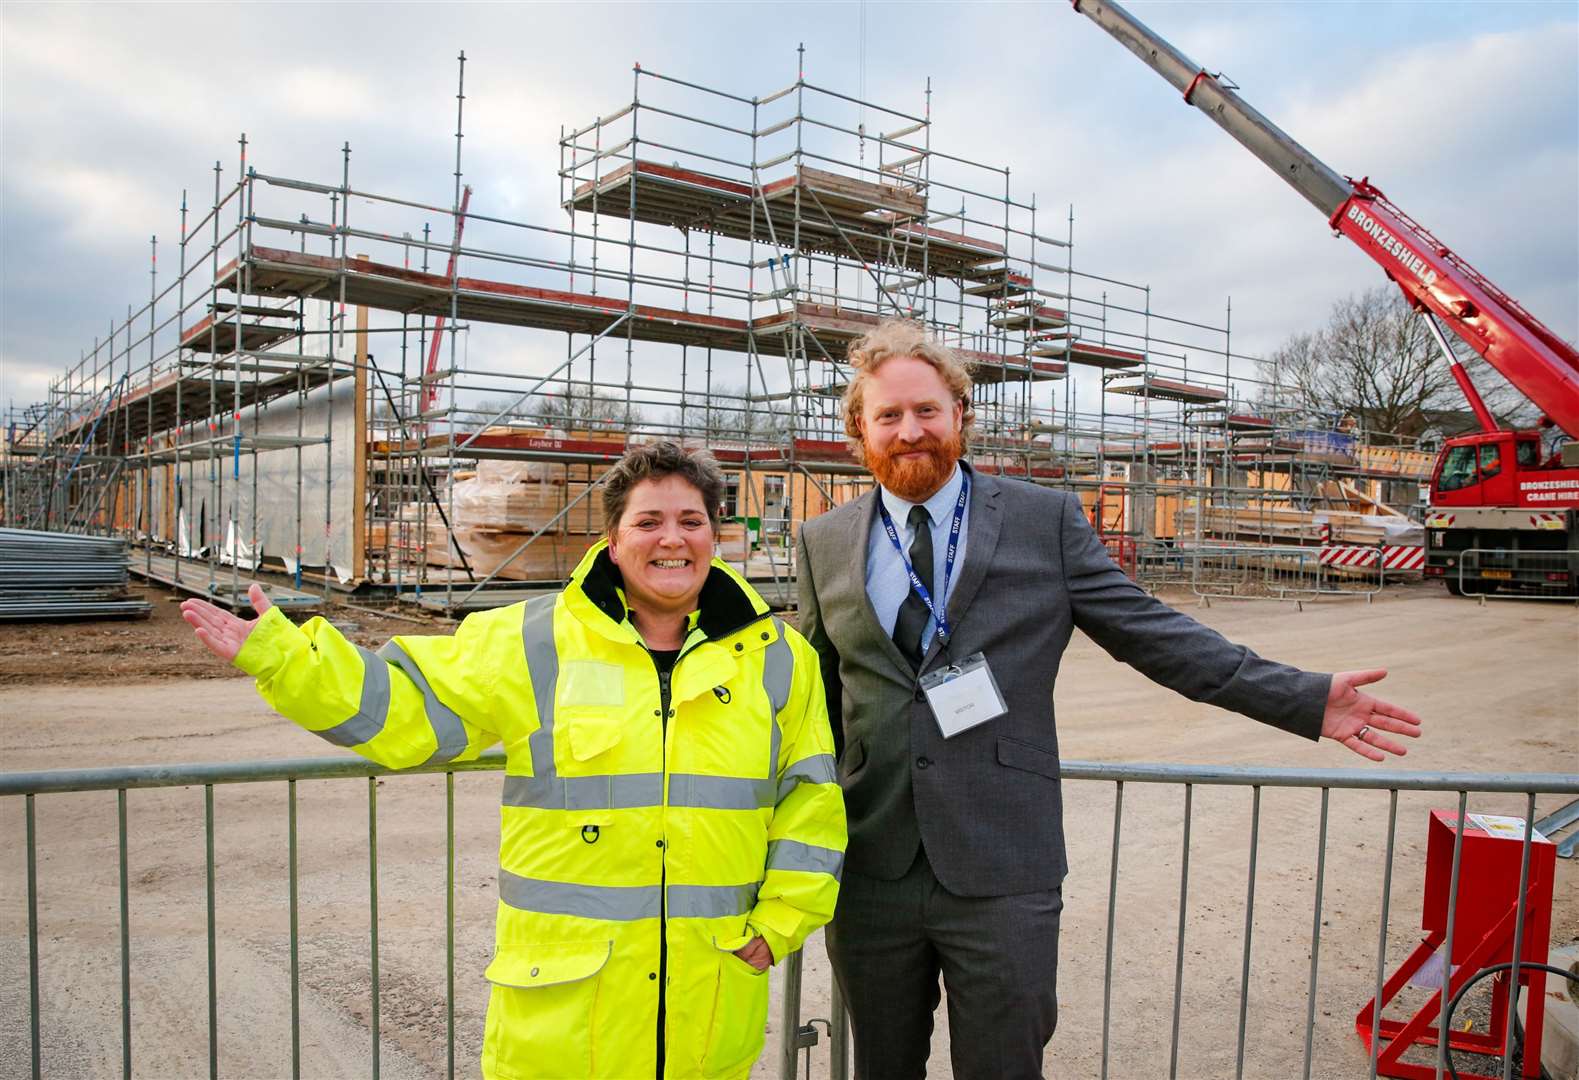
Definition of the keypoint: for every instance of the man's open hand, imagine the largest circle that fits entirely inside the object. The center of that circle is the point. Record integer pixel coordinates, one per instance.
(218, 629)
(1358, 720)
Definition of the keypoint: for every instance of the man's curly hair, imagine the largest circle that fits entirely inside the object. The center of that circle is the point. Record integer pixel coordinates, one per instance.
(902, 337)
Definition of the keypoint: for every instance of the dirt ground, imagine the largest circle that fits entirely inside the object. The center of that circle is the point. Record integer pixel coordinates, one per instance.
(1498, 687)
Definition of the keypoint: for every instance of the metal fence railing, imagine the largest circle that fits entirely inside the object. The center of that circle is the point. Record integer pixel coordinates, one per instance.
(1539, 575)
(1278, 573)
(1173, 829)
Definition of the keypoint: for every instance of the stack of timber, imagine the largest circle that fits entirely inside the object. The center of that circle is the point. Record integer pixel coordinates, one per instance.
(1410, 464)
(754, 556)
(734, 543)
(496, 509)
(1282, 523)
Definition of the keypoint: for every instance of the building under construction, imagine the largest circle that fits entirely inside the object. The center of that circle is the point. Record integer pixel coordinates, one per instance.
(365, 390)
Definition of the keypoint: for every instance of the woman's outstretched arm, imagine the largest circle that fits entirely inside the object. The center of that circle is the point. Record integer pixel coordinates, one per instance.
(418, 700)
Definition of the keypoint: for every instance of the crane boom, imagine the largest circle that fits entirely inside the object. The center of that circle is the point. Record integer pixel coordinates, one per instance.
(1543, 366)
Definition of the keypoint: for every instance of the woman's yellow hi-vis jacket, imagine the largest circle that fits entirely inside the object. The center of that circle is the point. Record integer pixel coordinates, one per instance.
(651, 825)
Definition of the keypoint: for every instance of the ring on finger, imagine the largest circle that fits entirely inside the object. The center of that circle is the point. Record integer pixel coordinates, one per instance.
(1365, 729)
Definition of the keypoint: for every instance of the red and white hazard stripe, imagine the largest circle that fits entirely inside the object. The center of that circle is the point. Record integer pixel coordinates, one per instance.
(1348, 556)
(1400, 557)
(1394, 556)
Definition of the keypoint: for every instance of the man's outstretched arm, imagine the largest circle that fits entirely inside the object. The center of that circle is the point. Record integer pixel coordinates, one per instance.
(1170, 648)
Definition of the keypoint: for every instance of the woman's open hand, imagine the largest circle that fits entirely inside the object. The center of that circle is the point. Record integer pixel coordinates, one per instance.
(222, 632)
(756, 953)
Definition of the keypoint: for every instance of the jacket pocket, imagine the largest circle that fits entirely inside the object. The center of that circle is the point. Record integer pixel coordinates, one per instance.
(542, 1011)
(1033, 759)
(740, 1015)
(590, 682)
(591, 731)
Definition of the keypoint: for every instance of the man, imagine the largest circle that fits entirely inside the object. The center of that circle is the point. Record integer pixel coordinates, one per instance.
(956, 852)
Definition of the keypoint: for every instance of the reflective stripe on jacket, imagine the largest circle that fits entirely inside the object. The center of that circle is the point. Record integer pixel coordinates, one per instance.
(630, 842)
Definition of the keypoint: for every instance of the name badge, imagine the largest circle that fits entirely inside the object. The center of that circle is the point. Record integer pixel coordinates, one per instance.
(963, 695)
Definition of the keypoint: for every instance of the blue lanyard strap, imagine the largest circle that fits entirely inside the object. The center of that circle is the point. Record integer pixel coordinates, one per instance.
(938, 614)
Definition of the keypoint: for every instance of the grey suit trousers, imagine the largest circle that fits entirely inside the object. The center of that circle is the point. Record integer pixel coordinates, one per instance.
(998, 955)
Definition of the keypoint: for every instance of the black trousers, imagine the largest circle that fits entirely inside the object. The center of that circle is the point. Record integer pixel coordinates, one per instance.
(998, 957)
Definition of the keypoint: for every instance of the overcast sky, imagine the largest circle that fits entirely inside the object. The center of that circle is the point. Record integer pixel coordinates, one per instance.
(1465, 114)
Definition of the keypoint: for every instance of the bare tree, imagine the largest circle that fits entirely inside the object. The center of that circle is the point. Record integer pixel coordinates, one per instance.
(584, 409)
(1376, 361)
(728, 414)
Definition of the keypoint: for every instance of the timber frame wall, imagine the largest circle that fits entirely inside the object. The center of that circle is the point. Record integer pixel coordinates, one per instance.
(716, 256)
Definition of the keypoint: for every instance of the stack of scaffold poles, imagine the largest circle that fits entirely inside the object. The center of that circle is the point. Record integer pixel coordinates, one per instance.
(50, 575)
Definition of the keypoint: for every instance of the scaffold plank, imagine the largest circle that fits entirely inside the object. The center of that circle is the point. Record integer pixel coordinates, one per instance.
(986, 368)
(174, 399)
(272, 271)
(949, 253)
(1168, 390)
(1003, 283)
(831, 324)
(1145, 451)
(1042, 317)
(1023, 472)
(228, 336)
(193, 576)
(848, 195)
(665, 195)
(263, 310)
(528, 446)
(852, 226)
(691, 199)
(1102, 356)
(817, 455)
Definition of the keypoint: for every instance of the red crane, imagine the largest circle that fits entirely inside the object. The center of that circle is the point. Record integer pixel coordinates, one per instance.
(1503, 514)
(431, 394)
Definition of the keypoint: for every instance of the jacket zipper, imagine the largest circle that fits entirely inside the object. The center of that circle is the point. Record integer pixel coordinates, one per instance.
(664, 696)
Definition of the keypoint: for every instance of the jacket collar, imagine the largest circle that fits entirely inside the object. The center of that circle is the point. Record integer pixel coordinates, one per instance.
(596, 597)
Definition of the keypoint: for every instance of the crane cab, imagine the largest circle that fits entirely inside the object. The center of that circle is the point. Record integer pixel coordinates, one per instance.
(1483, 469)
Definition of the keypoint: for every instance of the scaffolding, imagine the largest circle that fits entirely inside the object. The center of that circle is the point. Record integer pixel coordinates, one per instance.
(362, 390)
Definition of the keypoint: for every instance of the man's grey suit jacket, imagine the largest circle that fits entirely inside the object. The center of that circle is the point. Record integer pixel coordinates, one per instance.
(987, 803)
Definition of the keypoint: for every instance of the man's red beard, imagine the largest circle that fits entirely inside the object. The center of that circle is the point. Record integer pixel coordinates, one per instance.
(915, 479)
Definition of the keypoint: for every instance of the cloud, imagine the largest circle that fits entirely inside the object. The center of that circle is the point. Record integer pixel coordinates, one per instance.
(1488, 159)
(94, 205)
(25, 381)
(110, 111)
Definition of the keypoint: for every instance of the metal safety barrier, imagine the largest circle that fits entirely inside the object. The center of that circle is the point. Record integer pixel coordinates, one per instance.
(1124, 553)
(799, 1037)
(1297, 574)
(1160, 563)
(1498, 573)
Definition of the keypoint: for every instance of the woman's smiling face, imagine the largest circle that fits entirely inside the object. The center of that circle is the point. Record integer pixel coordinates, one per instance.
(663, 545)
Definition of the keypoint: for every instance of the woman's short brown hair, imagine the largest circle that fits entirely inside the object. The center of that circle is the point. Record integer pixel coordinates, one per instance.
(654, 461)
(902, 337)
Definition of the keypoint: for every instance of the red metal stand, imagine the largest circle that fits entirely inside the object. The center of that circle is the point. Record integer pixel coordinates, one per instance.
(1484, 922)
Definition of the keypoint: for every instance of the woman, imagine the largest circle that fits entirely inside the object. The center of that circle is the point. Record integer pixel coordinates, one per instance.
(671, 821)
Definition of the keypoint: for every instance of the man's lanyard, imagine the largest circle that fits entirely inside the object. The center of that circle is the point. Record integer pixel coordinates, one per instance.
(948, 562)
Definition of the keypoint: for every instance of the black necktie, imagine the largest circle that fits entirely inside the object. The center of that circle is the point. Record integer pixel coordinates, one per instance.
(913, 613)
